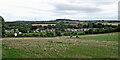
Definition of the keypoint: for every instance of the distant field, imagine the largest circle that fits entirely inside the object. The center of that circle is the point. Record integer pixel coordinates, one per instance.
(115, 24)
(86, 46)
(42, 24)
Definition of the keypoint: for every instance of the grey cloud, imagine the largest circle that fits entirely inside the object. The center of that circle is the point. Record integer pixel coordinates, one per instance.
(70, 7)
(64, 13)
(103, 3)
(96, 2)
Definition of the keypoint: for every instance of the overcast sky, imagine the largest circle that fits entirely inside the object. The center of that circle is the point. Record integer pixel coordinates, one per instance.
(39, 10)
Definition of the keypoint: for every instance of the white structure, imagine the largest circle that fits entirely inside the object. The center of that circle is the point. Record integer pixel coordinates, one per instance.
(20, 32)
(15, 34)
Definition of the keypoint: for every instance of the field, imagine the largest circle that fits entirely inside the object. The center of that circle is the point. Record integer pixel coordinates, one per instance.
(86, 46)
(114, 24)
(42, 24)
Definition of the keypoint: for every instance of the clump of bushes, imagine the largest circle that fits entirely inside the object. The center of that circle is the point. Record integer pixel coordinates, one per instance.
(41, 34)
(102, 30)
(9, 35)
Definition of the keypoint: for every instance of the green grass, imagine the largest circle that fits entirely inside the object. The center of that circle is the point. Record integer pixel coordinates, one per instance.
(11, 52)
(101, 38)
(98, 46)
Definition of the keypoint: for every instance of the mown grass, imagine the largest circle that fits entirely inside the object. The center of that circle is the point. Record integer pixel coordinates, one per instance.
(101, 38)
(98, 46)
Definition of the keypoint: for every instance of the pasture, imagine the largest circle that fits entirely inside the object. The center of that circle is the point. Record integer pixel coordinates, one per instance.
(86, 46)
(114, 24)
(42, 24)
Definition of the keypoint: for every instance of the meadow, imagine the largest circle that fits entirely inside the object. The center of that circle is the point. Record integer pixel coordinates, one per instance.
(114, 24)
(86, 46)
(42, 24)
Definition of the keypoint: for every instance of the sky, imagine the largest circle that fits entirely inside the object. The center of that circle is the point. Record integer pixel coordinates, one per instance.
(44, 10)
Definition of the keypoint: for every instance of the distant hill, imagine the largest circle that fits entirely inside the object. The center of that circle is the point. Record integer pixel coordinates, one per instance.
(61, 20)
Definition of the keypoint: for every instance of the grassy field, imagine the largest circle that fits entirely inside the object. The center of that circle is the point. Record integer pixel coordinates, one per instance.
(86, 46)
(115, 24)
(42, 24)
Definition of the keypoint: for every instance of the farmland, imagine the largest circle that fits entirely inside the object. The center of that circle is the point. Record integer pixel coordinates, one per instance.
(42, 24)
(114, 24)
(86, 46)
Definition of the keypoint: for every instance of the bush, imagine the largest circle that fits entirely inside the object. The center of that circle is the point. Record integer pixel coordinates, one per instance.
(9, 35)
(28, 35)
(80, 33)
(20, 35)
(66, 34)
(49, 34)
(35, 35)
(58, 33)
(74, 33)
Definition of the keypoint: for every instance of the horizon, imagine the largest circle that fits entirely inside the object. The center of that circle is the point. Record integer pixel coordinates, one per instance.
(70, 19)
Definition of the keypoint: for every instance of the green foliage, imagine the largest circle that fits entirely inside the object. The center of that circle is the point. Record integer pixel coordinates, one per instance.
(73, 33)
(3, 26)
(41, 34)
(101, 30)
(9, 35)
(23, 29)
(80, 33)
(67, 34)
(60, 27)
(80, 26)
(50, 34)
(58, 33)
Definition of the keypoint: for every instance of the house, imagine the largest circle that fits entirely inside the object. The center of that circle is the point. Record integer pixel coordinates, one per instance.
(12, 31)
(84, 29)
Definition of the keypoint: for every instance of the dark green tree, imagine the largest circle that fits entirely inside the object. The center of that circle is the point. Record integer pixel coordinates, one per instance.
(3, 26)
(91, 31)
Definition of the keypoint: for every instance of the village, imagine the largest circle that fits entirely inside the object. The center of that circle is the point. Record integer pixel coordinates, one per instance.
(58, 27)
(16, 31)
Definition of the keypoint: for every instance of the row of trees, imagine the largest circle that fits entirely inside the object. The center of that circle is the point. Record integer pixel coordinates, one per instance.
(46, 34)
(60, 26)
(103, 30)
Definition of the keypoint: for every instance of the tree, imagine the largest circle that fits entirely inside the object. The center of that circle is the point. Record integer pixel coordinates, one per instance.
(23, 29)
(85, 26)
(58, 33)
(117, 29)
(90, 25)
(91, 31)
(67, 34)
(3, 26)
(80, 26)
(100, 25)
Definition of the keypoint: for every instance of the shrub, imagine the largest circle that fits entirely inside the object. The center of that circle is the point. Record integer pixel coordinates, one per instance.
(66, 33)
(74, 33)
(28, 35)
(9, 35)
(20, 35)
(80, 33)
